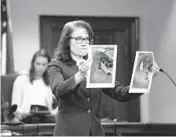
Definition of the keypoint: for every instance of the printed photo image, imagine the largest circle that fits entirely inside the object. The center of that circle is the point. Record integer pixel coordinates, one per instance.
(142, 74)
(103, 69)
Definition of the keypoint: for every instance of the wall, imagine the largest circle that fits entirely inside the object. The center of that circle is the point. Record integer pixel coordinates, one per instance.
(157, 20)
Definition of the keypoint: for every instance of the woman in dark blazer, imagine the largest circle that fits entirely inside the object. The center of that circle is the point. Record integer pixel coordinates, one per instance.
(78, 106)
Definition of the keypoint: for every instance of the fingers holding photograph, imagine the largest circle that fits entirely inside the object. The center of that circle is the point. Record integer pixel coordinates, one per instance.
(142, 72)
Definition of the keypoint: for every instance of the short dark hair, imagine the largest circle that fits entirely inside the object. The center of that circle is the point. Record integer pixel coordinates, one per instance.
(63, 50)
(40, 53)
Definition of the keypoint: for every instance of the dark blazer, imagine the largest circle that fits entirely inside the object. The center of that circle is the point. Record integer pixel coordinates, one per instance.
(79, 107)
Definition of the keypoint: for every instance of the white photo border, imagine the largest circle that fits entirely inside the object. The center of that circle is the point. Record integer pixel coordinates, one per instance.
(140, 90)
(102, 85)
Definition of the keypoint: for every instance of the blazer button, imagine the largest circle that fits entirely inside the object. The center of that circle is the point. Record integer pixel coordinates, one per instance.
(89, 111)
(88, 99)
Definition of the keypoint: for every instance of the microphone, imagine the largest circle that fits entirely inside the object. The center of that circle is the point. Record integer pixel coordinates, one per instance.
(161, 70)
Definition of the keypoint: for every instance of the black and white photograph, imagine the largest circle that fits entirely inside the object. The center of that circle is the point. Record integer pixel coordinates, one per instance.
(142, 72)
(103, 69)
(88, 68)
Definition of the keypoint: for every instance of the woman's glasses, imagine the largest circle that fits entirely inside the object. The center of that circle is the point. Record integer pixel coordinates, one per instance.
(79, 40)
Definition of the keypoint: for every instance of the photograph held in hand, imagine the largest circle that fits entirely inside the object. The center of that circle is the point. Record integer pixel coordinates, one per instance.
(142, 72)
(103, 69)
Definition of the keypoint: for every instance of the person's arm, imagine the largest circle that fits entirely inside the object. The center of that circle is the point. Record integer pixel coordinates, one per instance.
(17, 94)
(120, 93)
(58, 84)
(50, 100)
(61, 86)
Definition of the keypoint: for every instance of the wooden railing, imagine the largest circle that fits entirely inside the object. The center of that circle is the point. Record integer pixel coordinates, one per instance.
(110, 128)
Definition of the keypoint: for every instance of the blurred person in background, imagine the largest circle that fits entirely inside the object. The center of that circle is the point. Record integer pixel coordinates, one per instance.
(31, 92)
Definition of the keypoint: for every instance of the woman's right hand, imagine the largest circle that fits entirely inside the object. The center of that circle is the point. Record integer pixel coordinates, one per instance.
(83, 66)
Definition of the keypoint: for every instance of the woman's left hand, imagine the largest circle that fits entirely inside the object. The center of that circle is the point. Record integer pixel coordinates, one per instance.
(155, 69)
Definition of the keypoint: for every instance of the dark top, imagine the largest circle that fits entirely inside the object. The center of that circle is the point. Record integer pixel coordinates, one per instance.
(79, 107)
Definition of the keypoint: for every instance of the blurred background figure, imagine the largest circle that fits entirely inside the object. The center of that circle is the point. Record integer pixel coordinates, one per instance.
(31, 92)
